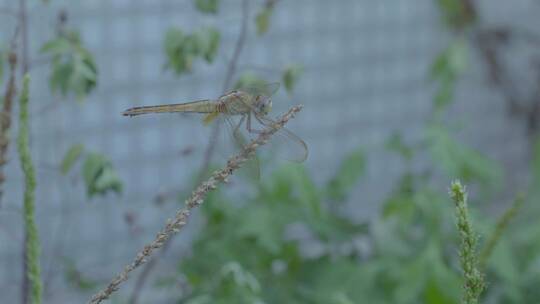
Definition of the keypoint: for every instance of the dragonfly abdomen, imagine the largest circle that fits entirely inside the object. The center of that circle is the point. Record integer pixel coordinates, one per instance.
(200, 106)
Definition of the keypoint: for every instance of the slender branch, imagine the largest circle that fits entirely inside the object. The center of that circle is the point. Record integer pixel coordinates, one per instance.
(23, 25)
(23, 19)
(32, 239)
(500, 227)
(5, 118)
(141, 279)
(196, 199)
(231, 70)
(474, 279)
(210, 149)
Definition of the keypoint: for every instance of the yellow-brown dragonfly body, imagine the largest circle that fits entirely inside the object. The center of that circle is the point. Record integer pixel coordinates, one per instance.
(243, 102)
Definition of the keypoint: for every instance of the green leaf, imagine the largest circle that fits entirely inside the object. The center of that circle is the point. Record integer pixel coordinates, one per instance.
(207, 6)
(262, 20)
(73, 68)
(395, 143)
(58, 46)
(211, 45)
(249, 80)
(76, 278)
(445, 70)
(71, 157)
(60, 76)
(99, 175)
(460, 161)
(350, 170)
(456, 14)
(290, 77)
(183, 49)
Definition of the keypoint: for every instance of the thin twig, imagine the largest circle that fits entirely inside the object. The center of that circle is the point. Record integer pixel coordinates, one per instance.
(23, 24)
(196, 199)
(5, 118)
(500, 227)
(210, 149)
(23, 19)
(231, 70)
(141, 279)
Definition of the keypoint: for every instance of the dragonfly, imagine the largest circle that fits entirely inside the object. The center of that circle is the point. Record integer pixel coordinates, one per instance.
(251, 104)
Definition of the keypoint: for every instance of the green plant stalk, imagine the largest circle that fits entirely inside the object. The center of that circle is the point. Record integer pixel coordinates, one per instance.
(32, 240)
(474, 280)
(500, 227)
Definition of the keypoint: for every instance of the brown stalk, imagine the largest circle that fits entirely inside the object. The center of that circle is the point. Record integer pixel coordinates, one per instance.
(5, 118)
(196, 199)
(210, 149)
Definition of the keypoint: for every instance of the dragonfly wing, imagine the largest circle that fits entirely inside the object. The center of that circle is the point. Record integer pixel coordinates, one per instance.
(264, 89)
(285, 143)
(232, 140)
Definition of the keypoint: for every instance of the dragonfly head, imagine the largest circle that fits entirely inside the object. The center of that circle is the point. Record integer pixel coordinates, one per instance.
(264, 104)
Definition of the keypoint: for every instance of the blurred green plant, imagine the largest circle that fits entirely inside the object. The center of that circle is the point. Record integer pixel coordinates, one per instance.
(446, 69)
(76, 278)
(290, 77)
(33, 249)
(72, 68)
(97, 171)
(473, 278)
(253, 238)
(183, 49)
(458, 14)
(207, 6)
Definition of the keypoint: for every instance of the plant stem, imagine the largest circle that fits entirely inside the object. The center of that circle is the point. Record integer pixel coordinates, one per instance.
(5, 118)
(474, 280)
(32, 237)
(231, 70)
(196, 199)
(210, 149)
(500, 227)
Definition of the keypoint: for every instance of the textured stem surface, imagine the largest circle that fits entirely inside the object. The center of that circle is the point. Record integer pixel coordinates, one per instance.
(473, 278)
(32, 239)
(196, 199)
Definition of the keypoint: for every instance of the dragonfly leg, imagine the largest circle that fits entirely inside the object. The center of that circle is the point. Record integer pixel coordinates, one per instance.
(248, 125)
(235, 131)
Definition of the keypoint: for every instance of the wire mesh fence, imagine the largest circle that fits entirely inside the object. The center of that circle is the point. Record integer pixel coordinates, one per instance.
(366, 66)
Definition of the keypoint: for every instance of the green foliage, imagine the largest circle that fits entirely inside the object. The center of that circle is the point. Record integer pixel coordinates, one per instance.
(249, 80)
(183, 49)
(77, 279)
(207, 6)
(71, 156)
(395, 143)
(290, 76)
(99, 175)
(458, 14)
(264, 264)
(455, 159)
(262, 20)
(32, 239)
(73, 67)
(446, 69)
(350, 171)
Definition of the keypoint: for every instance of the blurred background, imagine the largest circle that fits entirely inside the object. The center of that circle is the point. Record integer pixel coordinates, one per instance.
(400, 97)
